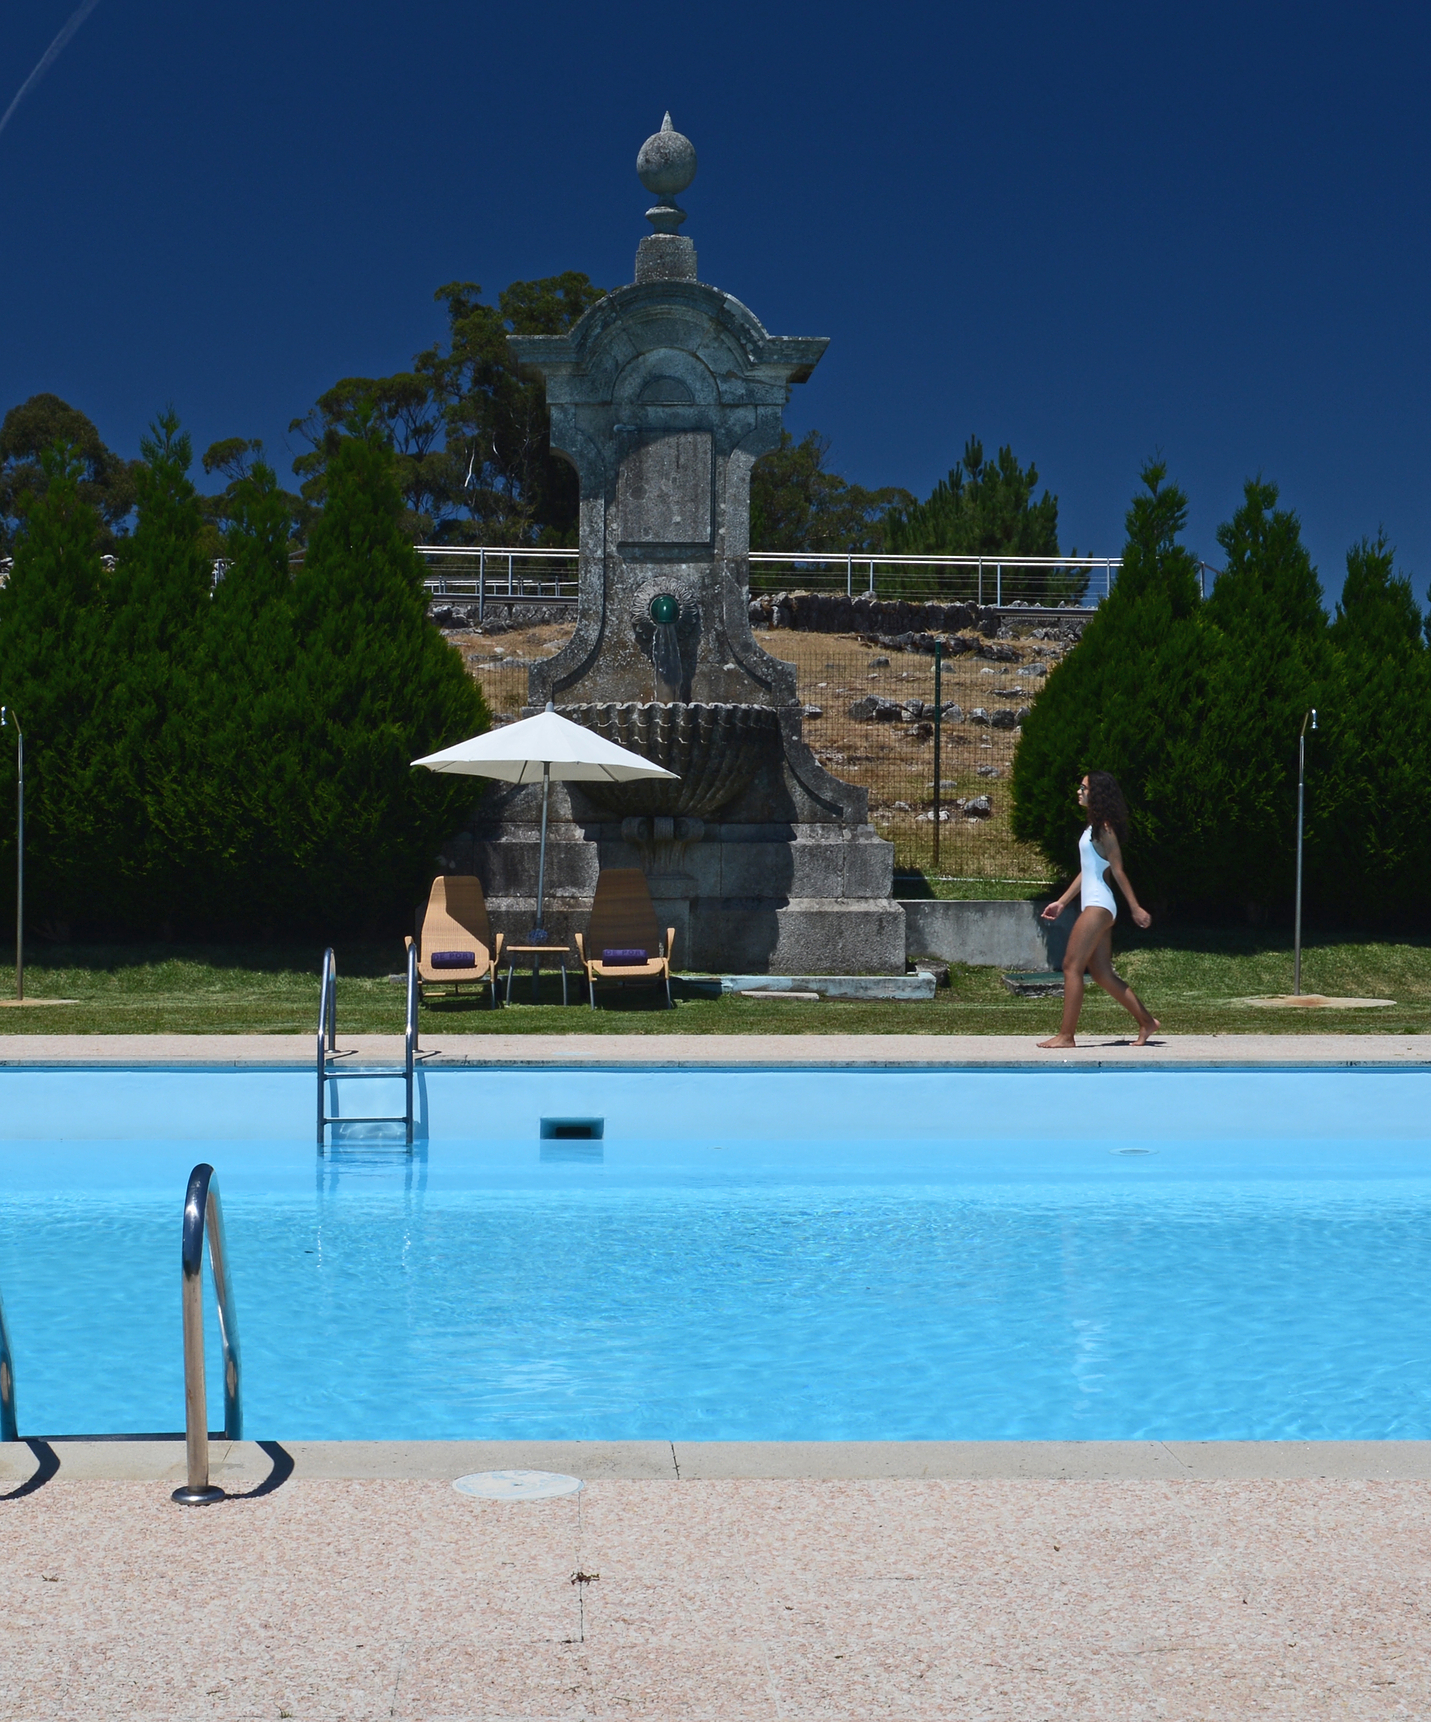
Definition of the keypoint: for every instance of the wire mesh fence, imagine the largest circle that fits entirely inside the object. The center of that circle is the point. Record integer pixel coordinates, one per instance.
(937, 762)
(939, 786)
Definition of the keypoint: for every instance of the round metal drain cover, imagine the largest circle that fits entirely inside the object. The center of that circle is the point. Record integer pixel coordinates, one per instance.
(517, 1485)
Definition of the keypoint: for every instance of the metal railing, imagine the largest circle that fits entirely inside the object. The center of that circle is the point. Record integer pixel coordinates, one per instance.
(8, 1429)
(523, 575)
(327, 1045)
(1082, 581)
(526, 575)
(204, 1218)
(508, 574)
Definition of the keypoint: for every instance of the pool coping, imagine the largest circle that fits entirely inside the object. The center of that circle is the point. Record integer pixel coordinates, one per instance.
(271, 1464)
(731, 1052)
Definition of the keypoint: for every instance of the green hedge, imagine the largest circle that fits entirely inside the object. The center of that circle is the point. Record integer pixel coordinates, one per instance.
(229, 759)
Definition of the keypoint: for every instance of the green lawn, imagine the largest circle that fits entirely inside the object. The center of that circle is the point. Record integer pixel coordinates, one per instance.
(1191, 979)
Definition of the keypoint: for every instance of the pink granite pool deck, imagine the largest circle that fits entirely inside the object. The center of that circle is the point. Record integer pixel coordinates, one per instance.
(722, 1597)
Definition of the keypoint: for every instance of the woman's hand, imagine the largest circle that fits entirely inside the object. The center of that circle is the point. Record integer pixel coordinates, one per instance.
(1052, 911)
(1142, 918)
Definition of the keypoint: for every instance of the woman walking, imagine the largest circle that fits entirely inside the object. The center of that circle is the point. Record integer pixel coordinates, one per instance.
(1090, 944)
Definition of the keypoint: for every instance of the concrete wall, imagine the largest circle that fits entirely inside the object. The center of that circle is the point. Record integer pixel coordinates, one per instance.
(992, 934)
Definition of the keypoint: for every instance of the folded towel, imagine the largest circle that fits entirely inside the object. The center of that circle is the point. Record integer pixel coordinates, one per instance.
(453, 960)
(623, 959)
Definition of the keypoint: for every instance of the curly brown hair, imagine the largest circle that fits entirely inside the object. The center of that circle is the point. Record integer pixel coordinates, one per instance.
(1107, 810)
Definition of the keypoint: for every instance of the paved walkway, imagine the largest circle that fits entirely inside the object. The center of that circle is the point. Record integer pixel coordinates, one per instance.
(1016, 1598)
(886, 1050)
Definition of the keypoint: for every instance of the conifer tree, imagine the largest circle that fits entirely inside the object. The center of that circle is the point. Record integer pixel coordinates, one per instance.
(987, 508)
(1274, 666)
(153, 751)
(373, 685)
(51, 644)
(1129, 700)
(246, 658)
(1379, 703)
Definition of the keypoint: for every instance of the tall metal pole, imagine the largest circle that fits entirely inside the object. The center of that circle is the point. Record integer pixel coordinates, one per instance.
(938, 728)
(1301, 780)
(7, 717)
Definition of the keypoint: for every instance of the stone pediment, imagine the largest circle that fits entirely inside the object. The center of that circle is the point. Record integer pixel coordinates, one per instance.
(587, 364)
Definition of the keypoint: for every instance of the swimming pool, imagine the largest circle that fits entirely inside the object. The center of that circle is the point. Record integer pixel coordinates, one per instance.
(743, 1254)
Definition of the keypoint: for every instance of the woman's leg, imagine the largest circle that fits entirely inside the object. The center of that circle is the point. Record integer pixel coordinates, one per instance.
(1089, 929)
(1100, 966)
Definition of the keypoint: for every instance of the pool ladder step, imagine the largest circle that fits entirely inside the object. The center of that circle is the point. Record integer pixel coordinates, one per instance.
(328, 1071)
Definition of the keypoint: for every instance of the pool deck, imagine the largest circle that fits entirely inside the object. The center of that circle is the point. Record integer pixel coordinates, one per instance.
(862, 1051)
(721, 1582)
(1010, 1581)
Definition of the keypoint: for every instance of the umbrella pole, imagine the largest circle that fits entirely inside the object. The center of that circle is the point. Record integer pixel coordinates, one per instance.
(539, 932)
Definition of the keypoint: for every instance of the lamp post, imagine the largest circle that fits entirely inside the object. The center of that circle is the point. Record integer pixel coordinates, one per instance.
(1301, 780)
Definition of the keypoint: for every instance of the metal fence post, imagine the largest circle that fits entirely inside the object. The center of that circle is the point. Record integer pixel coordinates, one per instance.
(481, 584)
(981, 583)
(872, 590)
(999, 586)
(849, 576)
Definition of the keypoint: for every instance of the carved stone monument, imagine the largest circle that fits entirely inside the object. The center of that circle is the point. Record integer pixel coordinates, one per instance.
(662, 397)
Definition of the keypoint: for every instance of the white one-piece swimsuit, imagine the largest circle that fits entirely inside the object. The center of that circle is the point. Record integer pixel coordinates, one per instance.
(1095, 892)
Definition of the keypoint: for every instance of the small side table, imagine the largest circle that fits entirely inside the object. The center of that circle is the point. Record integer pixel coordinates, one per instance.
(536, 953)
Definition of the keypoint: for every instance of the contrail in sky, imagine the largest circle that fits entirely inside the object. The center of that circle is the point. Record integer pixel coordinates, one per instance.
(51, 54)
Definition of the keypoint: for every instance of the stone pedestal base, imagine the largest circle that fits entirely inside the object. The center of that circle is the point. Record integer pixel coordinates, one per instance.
(748, 899)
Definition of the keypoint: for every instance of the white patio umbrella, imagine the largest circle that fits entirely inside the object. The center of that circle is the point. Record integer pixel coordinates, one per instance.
(555, 747)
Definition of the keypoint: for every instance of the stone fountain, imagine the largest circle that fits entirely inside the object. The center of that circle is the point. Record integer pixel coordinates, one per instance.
(663, 397)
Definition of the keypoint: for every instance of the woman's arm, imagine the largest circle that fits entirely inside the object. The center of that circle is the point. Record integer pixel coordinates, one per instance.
(1114, 854)
(1053, 910)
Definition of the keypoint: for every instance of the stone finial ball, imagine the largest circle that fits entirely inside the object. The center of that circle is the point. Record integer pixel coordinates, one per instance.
(667, 162)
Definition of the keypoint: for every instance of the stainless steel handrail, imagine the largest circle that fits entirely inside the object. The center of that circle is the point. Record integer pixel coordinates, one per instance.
(327, 1043)
(410, 1047)
(8, 1428)
(327, 1030)
(204, 1218)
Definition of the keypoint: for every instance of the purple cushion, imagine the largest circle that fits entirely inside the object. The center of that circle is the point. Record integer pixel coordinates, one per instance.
(453, 960)
(623, 959)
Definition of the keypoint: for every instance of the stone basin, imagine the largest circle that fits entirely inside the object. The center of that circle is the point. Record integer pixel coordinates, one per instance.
(715, 750)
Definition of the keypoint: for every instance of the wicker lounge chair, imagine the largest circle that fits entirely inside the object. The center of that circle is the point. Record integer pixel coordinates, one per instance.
(623, 940)
(455, 926)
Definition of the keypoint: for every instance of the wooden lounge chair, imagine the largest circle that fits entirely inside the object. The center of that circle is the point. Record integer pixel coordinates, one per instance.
(455, 924)
(623, 941)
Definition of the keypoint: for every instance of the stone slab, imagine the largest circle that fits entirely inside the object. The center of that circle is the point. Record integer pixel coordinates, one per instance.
(986, 934)
(243, 1465)
(910, 988)
(694, 1051)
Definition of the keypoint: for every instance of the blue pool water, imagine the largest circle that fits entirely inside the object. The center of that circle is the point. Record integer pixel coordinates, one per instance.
(745, 1255)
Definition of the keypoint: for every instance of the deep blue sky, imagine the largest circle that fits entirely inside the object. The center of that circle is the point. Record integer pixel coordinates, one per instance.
(1090, 232)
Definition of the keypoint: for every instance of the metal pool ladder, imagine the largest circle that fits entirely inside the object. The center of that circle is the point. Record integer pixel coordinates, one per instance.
(204, 1218)
(327, 1047)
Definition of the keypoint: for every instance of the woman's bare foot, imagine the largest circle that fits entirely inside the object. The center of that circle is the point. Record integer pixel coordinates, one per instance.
(1062, 1040)
(1143, 1033)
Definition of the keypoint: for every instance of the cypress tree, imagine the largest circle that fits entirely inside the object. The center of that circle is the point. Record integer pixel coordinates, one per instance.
(1273, 667)
(372, 686)
(249, 783)
(153, 749)
(1379, 708)
(1129, 700)
(52, 624)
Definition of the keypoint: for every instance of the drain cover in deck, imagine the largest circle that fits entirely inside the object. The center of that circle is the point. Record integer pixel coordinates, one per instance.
(517, 1485)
